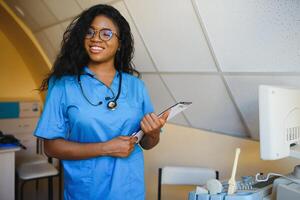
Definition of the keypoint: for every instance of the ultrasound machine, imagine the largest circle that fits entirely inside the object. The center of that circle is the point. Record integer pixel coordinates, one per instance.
(279, 119)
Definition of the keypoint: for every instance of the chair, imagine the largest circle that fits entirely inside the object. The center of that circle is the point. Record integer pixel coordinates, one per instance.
(37, 167)
(32, 163)
(176, 175)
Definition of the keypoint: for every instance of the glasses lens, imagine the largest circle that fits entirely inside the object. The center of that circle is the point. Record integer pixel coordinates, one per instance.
(106, 34)
(90, 33)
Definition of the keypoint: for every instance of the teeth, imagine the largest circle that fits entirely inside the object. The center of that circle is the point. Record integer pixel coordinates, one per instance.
(96, 48)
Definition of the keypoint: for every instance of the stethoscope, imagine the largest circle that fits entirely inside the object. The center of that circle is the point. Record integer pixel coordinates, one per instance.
(112, 104)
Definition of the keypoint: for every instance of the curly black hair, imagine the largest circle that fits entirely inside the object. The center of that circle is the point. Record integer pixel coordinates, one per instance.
(73, 57)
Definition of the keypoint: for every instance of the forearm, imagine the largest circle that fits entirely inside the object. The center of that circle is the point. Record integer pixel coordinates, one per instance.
(66, 150)
(150, 141)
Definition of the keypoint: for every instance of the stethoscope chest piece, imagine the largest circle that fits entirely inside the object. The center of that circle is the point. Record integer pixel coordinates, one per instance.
(112, 105)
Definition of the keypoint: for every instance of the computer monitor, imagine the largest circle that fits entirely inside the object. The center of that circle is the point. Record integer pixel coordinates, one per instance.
(279, 122)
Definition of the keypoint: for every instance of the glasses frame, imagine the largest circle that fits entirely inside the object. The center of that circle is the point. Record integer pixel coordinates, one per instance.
(95, 32)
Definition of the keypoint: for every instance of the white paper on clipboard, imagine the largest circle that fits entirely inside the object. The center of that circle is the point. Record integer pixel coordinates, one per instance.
(174, 110)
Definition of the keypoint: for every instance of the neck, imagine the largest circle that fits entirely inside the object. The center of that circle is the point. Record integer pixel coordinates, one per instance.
(102, 68)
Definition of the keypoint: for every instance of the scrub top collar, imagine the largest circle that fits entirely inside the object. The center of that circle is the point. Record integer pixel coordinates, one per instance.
(115, 83)
(87, 70)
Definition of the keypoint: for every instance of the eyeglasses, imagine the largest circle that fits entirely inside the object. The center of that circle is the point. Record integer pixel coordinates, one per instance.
(104, 34)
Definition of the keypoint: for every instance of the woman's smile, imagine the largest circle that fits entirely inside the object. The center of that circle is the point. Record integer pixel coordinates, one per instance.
(95, 49)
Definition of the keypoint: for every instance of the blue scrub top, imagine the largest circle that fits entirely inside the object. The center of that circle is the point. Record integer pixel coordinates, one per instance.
(68, 115)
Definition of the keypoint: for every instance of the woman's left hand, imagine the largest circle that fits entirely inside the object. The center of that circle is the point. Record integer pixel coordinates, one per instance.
(151, 124)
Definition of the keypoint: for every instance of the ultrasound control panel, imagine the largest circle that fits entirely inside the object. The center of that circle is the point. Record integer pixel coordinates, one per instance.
(248, 183)
(247, 189)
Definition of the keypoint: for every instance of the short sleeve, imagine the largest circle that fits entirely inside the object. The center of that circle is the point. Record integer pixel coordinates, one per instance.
(53, 121)
(147, 104)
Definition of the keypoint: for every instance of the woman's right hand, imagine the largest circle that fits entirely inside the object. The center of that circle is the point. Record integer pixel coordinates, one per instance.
(120, 146)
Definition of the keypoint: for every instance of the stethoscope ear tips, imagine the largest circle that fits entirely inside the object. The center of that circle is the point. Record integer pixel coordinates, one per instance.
(112, 105)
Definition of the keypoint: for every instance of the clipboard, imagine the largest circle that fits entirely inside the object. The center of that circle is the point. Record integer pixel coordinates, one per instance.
(174, 110)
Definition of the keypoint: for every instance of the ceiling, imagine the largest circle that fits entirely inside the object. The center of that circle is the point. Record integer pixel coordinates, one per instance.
(213, 53)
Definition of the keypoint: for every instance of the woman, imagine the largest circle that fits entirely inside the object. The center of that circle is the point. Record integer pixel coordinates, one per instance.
(93, 105)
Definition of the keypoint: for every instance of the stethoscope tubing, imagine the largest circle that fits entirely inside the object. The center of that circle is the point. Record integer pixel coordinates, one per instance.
(111, 104)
